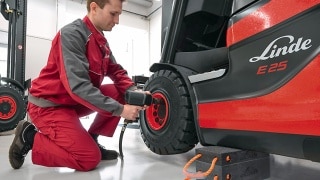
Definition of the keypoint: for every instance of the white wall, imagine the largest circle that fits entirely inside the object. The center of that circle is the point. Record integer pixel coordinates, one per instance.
(129, 41)
(69, 11)
(3, 25)
(155, 36)
(36, 55)
(3, 62)
(3, 53)
(42, 18)
(41, 28)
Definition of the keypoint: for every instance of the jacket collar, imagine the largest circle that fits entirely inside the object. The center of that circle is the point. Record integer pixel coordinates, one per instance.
(98, 35)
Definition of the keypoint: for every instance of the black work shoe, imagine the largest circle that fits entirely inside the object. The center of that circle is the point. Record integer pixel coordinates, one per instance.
(20, 147)
(105, 153)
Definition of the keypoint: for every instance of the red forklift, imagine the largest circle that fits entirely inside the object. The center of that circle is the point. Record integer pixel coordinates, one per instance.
(237, 73)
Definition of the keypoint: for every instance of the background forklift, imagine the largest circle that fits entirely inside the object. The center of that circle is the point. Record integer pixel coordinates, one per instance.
(13, 100)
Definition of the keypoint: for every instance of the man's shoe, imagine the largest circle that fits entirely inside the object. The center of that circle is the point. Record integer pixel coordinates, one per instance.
(20, 147)
(105, 153)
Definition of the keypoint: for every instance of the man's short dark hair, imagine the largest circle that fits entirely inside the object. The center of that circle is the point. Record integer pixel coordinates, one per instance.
(100, 3)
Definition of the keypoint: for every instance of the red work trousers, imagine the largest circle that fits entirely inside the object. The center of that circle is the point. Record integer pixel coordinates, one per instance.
(62, 141)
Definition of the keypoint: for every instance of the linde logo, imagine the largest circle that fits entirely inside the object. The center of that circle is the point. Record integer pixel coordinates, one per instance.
(273, 50)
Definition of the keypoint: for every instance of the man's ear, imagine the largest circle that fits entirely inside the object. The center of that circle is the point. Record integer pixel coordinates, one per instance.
(93, 7)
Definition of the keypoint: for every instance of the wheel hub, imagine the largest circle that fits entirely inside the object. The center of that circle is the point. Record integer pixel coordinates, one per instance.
(8, 107)
(157, 113)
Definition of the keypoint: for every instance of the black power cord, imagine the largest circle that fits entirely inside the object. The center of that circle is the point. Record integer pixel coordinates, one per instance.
(123, 129)
(138, 99)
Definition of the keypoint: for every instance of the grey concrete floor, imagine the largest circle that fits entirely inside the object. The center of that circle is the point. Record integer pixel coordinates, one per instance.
(140, 164)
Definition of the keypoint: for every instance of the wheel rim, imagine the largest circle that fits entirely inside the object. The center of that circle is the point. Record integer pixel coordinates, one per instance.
(8, 107)
(157, 113)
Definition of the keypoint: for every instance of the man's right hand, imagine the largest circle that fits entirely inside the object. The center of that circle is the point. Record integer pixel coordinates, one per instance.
(131, 112)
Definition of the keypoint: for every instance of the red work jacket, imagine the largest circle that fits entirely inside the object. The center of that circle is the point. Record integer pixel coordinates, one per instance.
(79, 60)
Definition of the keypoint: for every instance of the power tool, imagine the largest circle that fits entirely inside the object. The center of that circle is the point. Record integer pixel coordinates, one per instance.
(138, 99)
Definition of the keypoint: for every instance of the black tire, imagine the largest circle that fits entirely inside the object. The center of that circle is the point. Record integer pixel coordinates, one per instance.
(12, 106)
(168, 127)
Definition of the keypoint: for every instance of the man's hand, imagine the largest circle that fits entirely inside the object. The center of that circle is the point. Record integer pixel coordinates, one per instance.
(131, 112)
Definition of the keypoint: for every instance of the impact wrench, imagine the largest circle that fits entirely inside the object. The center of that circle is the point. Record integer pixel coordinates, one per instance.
(138, 99)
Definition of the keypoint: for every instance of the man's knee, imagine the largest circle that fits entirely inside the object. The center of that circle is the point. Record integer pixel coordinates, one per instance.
(89, 160)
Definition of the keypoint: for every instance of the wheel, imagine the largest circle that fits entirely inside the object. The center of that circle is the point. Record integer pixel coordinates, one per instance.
(167, 126)
(12, 106)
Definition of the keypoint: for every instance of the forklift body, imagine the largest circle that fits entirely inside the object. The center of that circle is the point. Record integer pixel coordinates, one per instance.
(238, 73)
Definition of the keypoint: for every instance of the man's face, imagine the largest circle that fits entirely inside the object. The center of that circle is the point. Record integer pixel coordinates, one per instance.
(105, 19)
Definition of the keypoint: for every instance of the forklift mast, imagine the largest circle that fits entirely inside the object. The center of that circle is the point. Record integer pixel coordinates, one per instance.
(15, 11)
(12, 87)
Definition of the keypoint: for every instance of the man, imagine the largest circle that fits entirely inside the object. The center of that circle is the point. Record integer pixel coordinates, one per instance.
(69, 87)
